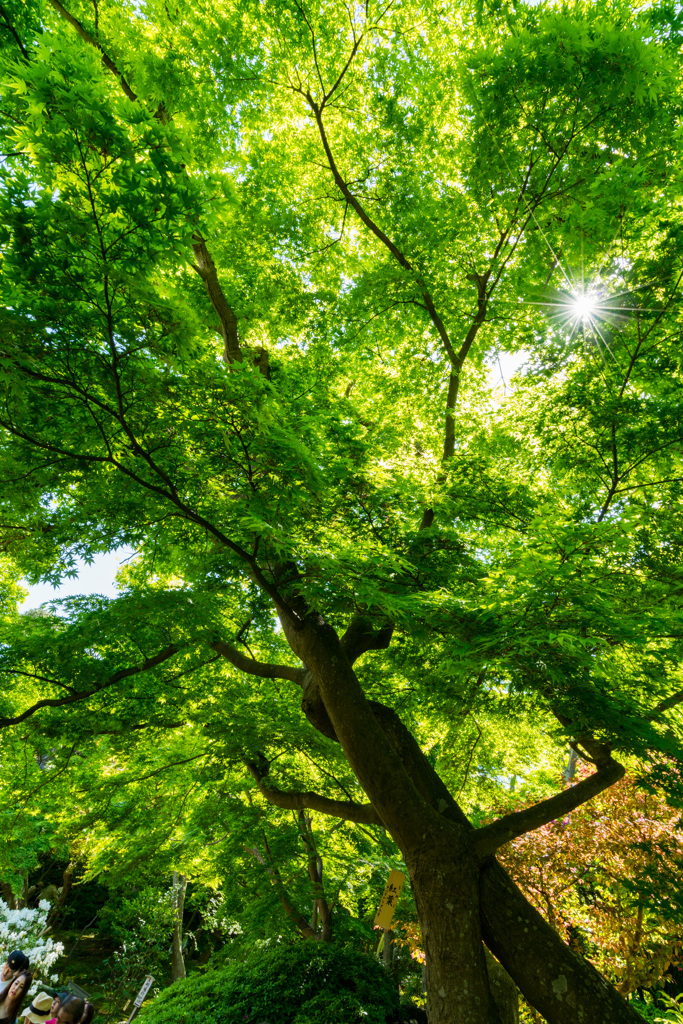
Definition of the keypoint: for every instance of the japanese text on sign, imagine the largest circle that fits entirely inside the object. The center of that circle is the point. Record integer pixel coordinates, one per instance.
(387, 905)
(147, 984)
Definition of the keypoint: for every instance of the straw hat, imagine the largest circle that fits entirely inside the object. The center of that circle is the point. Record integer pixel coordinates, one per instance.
(39, 1010)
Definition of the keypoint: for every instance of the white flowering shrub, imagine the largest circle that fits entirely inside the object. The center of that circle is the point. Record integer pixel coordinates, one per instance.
(23, 929)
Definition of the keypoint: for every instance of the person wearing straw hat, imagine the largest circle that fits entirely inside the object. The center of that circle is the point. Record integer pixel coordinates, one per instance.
(39, 1010)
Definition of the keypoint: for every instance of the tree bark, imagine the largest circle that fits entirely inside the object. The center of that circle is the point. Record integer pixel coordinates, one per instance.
(460, 898)
(438, 853)
(447, 903)
(67, 885)
(178, 901)
(503, 990)
(321, 908)
(8, 896)
(557, 982)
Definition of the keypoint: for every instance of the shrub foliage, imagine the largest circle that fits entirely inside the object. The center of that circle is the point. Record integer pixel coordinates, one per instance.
(309, 983)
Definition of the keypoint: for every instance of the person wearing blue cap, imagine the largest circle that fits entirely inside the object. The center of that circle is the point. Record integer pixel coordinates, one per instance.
(57, 1001)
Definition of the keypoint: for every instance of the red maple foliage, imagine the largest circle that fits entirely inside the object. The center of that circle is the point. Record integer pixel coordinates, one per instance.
(607, 877)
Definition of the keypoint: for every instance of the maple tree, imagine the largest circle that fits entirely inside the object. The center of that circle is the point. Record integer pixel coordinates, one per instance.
(257, 259)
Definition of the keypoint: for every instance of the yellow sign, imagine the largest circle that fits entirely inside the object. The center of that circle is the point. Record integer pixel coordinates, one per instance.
(387, 905)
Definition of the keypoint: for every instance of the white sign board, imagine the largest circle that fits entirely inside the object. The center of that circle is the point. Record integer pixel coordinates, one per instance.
(146, 986)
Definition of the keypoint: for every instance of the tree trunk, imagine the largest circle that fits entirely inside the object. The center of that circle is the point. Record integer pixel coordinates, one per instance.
(503, 990)
(459, 899)
(443, 869)
(8, 896)
(178, 901)
(12, 901)
(557, 982)
(321, 908)
(67, 885)
(447, 903)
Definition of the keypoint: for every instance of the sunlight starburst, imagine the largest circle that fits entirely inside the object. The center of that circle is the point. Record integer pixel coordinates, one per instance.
(584, 306)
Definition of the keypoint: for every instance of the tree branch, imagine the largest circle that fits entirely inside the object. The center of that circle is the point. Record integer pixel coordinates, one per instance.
(257, 668)
(361, 636)
(667, 704)
(489, 838)
(106, 59)
(125, 673)
(169, 492)
(364, 814)
(206, 268)
(14, 32)
(164, 767)
(354, 203)
(271, 867)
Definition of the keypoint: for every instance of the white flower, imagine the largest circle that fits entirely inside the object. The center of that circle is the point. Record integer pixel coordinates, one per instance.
(20, 929)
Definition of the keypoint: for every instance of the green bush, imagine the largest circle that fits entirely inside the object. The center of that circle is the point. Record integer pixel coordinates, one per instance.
(310, 983)
(660, 1008)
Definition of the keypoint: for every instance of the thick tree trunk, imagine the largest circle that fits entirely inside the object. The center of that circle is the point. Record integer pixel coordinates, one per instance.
(447, 901)
(178, 899)
(557, 982)
(459, 899)
(445, 886)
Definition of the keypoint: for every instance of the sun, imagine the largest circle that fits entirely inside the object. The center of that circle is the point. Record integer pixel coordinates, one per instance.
(584, 306)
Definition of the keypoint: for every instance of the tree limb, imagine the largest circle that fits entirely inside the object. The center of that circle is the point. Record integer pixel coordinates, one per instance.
(364, 814)
(164, 767)
(14, 32)
(206, 268)
(125, 673)
(489, 838)
(106, 59)
(271, 867)
(257, 668)
(168, 493)
(362, 636)
(354, 203)
(667, 704)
